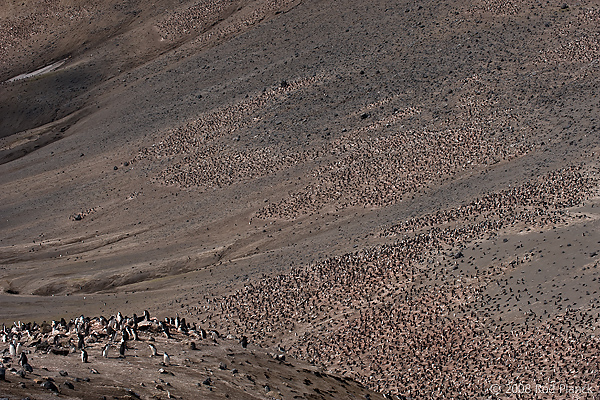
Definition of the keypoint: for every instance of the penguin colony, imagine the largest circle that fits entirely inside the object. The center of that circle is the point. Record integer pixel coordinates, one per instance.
(62, 338)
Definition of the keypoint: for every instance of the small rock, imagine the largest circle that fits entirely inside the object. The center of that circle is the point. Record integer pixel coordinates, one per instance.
(133, 394)
(50, 386)
(222, 366)
(207, 381)
(60, 352)
(69, 385)
(63, 373)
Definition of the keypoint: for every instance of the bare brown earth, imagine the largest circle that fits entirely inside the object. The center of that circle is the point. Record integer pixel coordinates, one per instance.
(405, 195)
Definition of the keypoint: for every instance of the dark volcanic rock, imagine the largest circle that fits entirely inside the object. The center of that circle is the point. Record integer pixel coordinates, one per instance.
(50, 386)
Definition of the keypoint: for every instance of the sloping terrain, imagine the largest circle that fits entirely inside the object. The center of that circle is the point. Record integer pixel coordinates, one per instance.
(198, 364)
(386, 190)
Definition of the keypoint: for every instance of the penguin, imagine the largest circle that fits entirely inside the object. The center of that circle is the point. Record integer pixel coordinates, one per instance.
(131, 333)
(80, 341)
(12, 349)
(244, 341)
(147, 315)
(22, 359)
(105, 350)
(153, 350)
(84, 356)
(165, 329)
(109, 329)
(86, 327)
(166, 358)
(122, 348)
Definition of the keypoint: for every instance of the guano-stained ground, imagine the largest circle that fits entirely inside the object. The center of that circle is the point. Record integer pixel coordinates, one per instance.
(387, 190)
